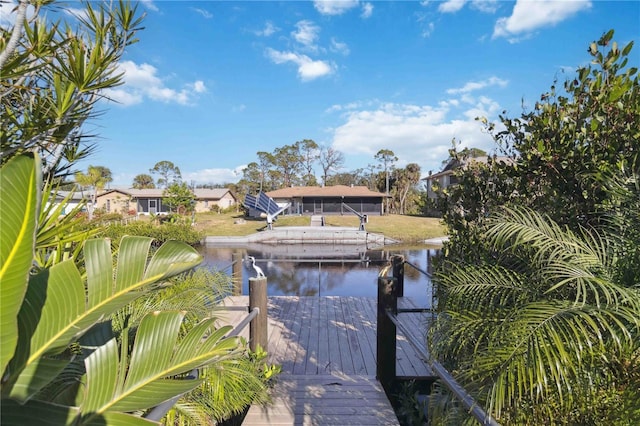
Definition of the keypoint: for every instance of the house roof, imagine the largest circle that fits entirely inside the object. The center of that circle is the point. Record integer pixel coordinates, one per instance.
(325, 191)
(455, 164)
(200, 193)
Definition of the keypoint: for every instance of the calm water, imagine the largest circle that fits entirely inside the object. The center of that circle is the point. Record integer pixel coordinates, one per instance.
(323, 270)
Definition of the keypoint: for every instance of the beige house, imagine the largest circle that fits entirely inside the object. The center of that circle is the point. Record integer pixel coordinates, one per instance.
(149, 201)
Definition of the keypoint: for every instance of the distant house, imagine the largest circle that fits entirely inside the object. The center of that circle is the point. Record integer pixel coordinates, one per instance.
(74, 198)
(150, 201)
(328, 200)
(446, 176)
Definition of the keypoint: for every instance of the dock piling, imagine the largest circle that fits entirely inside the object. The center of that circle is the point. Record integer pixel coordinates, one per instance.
(258, 325)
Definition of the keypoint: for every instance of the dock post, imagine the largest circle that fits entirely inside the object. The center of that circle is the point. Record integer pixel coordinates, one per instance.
(398, 274)
(386, 331)
(236, 274)
(258, 325)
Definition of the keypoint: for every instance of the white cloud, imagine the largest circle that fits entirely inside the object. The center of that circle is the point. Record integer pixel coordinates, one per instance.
(486, 6)
(141, 81)
(334, 7)
(415, 133)
(451, 6)
(367, 10)
(268, 30)
(528, 16)
(238, 108)
(205, 13)
(150, 5)
(427, 29)
(477, 85)
(339, 47)
(308, 69)
(214, 176)
(306, 34)
(199, 87)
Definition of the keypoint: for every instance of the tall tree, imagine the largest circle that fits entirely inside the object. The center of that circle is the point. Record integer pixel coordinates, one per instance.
(143, 181)
(53, 75)
(168, 172)
(404, 182)
(331, 160)
(96, 178)
(265, 162)
(387, 159)
(309, 154)
(287, 160)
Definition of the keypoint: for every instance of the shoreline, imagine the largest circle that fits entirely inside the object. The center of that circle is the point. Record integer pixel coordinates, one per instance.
(314, 235)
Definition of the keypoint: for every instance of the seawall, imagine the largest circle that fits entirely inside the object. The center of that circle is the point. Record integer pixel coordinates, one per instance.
(306, 235)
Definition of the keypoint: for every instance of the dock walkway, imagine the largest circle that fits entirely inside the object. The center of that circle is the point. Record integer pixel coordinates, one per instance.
(327, 349)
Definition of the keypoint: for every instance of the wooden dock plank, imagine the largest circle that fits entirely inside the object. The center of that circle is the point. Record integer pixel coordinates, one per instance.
(323, 338)
(325, 400)
(335, 362)
(330, 341)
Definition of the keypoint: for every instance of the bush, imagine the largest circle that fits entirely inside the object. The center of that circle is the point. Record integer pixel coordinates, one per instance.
(160, 233)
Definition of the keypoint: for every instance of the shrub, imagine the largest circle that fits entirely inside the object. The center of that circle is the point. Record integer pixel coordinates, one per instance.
(160, 233)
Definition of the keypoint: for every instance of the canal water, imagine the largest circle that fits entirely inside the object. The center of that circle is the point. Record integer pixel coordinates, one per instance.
(324, 269)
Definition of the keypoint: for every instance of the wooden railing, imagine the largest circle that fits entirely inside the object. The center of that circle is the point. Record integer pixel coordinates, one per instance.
(389, 289)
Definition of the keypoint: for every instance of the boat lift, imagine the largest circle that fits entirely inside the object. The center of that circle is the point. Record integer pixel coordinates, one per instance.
(363, 217)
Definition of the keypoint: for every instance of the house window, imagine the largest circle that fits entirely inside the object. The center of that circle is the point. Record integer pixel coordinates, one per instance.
(108, 206)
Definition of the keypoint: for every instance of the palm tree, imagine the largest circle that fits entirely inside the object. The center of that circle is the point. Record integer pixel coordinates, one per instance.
(546, 332)
(96, 178)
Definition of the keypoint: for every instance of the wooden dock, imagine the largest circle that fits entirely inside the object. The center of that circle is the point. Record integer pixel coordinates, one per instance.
(327, 349)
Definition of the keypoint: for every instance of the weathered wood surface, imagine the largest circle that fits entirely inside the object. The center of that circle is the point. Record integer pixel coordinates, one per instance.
(326, 347)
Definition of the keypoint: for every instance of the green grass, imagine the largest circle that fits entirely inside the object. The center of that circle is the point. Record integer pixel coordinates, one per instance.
(402, 228)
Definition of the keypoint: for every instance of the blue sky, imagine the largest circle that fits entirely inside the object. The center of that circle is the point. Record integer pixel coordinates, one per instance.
(211, 83)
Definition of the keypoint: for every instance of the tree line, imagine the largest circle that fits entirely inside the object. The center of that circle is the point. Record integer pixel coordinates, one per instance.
(294, 165)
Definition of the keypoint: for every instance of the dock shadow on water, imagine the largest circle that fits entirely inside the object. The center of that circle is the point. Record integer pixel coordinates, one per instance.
(324, 269)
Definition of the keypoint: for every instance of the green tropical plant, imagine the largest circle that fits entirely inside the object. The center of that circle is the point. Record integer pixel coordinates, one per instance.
(55, 72)
(61, 231)
(178, 197)
(52, 318)
(229, 386)
(544, 330)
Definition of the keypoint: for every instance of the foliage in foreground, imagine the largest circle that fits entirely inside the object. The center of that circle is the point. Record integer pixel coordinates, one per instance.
(544, 331)
(227, 387)
(539, 313)
(62, 360)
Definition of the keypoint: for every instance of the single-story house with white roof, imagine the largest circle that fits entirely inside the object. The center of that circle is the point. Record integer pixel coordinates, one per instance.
(150, 201)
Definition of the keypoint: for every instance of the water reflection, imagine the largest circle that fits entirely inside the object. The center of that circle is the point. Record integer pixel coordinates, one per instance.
(323, 270)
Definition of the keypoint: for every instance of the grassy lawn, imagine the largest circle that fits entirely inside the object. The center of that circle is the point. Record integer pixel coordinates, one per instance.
(402, 228)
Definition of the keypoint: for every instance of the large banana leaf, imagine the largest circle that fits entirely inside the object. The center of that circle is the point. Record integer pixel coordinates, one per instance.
(19, 183)
(61, 308)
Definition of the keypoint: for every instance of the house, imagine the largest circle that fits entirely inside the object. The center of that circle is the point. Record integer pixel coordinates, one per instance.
(446, 176)
(73, 199)
(150, 201)
(328, 200)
